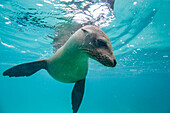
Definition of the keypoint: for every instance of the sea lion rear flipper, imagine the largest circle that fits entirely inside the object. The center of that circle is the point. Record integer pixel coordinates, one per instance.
(25, 69)
(77, 95)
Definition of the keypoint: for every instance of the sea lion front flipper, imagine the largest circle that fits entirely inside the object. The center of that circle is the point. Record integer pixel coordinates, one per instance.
(77, 95)
(26, 69)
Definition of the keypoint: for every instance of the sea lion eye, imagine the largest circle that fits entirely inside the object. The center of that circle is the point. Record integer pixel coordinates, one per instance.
(101, 43)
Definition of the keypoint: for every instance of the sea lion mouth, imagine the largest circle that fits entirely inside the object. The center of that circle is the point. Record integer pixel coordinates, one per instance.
(103, 59)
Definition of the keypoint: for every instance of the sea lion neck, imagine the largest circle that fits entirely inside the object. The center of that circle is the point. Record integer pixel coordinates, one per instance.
(72, 48)
(69, 52)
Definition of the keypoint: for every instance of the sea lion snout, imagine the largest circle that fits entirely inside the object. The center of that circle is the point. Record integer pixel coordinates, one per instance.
(106, 60)
(113, 63)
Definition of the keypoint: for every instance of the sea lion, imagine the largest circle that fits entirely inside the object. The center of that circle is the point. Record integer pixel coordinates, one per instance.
(70, 63)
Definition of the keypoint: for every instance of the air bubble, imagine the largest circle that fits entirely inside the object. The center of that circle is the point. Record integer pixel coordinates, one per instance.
(165, 56)
(134, 3)
(7, 22)
(1, 5)
(39, 4)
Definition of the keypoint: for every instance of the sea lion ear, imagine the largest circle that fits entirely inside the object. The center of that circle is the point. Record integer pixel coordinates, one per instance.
(85, 31)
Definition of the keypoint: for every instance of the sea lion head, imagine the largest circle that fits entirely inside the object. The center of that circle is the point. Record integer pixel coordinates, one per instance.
(97, 45)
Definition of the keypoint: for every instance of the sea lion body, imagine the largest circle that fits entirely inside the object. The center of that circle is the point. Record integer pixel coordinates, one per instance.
(70, 63)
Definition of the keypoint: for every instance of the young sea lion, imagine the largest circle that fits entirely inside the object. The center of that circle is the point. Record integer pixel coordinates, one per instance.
(70, 63)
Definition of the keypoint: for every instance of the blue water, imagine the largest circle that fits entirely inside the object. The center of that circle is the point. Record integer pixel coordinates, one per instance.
(139, 31)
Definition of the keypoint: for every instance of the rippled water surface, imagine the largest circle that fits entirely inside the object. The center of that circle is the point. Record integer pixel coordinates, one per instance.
(139, 31)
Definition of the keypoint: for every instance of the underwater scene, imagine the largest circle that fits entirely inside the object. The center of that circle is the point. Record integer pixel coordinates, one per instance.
(139, 33)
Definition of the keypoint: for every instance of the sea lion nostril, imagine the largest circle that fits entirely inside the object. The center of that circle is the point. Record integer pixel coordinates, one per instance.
(114, 63)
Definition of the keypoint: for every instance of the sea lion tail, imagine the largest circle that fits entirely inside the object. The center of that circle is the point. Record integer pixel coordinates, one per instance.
(26, 69)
